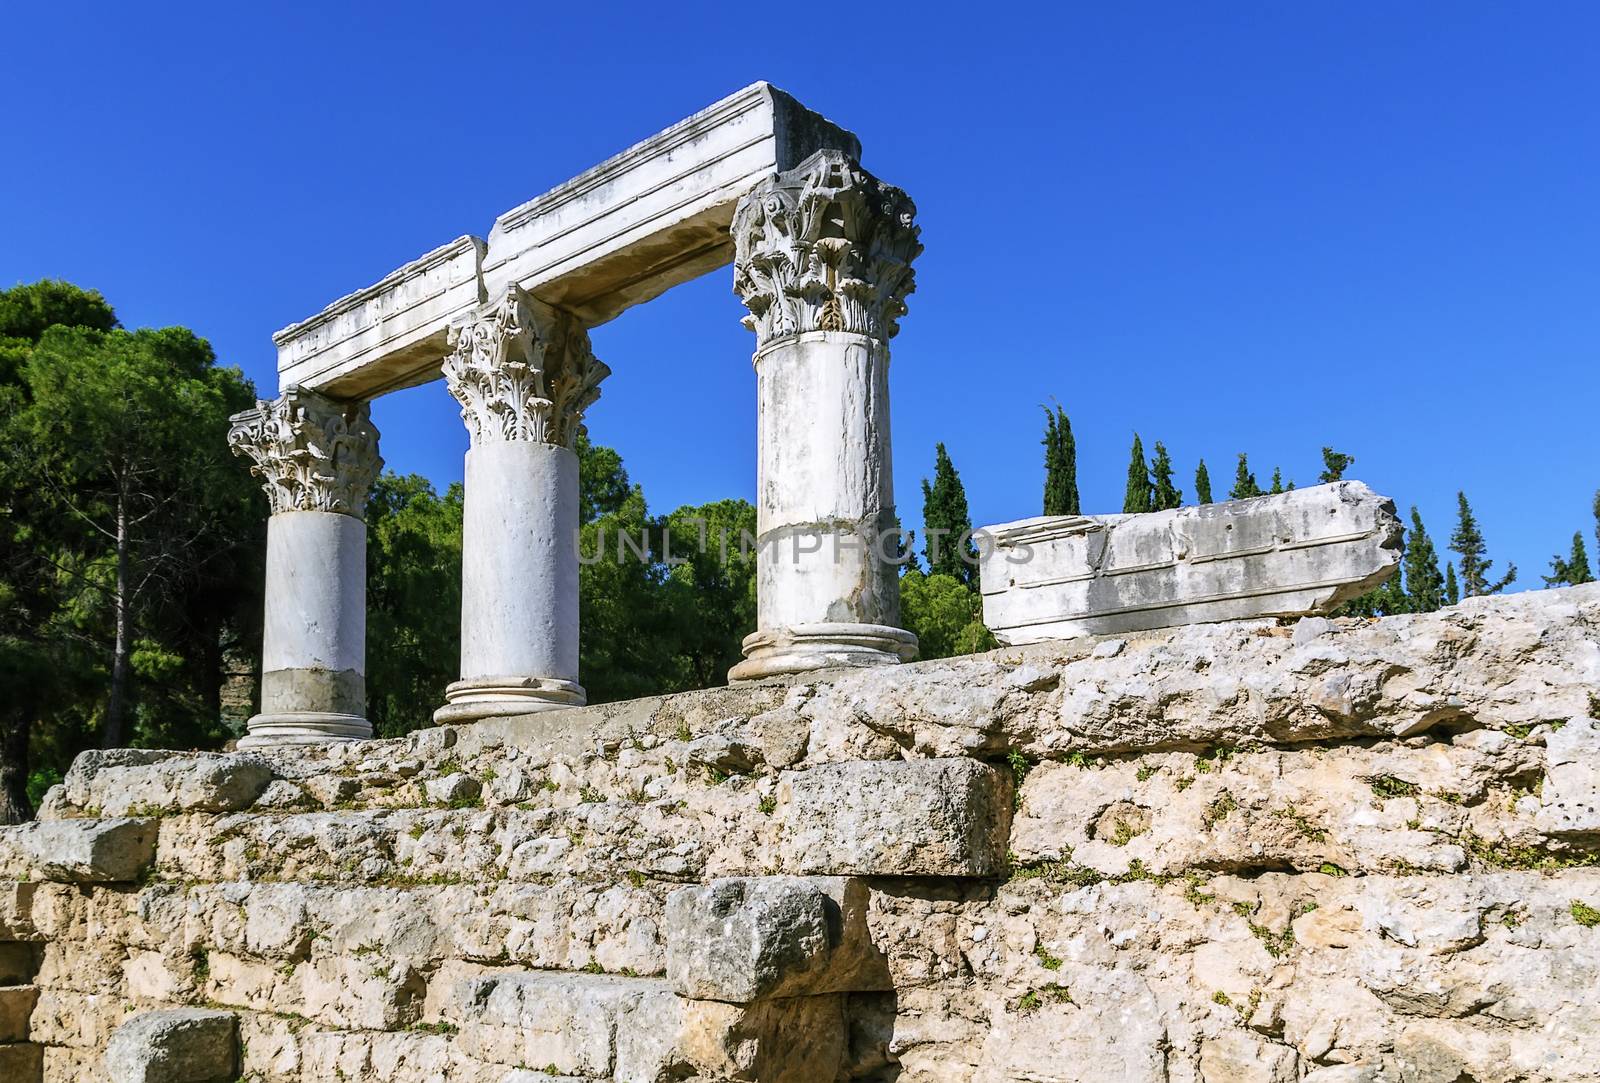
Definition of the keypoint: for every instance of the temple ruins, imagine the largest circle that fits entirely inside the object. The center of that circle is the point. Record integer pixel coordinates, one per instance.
(1188, 825)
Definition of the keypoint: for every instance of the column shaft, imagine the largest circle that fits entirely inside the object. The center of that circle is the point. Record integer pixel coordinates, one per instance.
(827, 592)
(823, 262)
(524, 373)
(519, 583)
(316, 458)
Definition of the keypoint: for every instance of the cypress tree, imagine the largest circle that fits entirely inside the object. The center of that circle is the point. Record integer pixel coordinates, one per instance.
(1277, 480)
(1424, 583)
(1167, 495)
(1060, 465)
(1597, 521)
(947, 523)
(1202, 486)
(1140, 494)
(1244, 482)
(1467, 542)
(1334, 464)
(1452, 591)
(1573, 570)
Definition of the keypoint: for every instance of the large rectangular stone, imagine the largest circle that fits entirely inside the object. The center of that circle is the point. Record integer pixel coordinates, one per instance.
(619, 234)
(1298, 553)
(945, 817)
(16, 1005)
(21, 1063)
(79, 851)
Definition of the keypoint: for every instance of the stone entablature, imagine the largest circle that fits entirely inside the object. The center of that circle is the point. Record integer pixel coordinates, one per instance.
(523, 370)
(1321, 851)
(615, 236)
(310, 452)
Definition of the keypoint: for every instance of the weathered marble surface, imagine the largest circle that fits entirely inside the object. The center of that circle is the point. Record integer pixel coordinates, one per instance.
(617, 235)
(1327, 850)
(1298, 553)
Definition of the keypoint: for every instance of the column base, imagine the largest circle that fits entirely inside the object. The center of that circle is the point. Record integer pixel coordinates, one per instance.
(801, 648)
(500, 697)
(303, 728)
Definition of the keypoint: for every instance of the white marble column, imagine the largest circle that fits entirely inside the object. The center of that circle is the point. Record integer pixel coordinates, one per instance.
(316, 458)
(823, 262)
(524, 374)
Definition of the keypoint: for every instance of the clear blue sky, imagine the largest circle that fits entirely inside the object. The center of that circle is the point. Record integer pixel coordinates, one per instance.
(1231, 227)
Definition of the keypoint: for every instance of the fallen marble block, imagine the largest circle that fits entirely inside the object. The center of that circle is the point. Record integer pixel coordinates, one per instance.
(1292, 554)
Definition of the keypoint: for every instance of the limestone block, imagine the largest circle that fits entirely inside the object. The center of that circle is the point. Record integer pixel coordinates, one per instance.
(752, 938)
(1515, 661)
(16, 1005)
(80, 851)
(142, 782)
(451, 788)
(569, 1021)
(23, 1063)
(177, 1045)
(1382, 807)
(1241, 1057)
(912, 818)
(1570, 801)
(16, 911)
(796, 1040)
(1300, 552)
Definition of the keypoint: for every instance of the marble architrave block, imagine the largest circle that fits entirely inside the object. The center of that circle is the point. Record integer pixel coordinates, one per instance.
(619, 234)
(1298, 553)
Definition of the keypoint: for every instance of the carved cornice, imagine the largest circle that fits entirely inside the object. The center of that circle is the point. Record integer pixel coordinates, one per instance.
(824, 247)
(310, 452)
(523, 370)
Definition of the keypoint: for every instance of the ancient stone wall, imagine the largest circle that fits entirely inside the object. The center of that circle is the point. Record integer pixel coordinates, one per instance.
(1331, 851)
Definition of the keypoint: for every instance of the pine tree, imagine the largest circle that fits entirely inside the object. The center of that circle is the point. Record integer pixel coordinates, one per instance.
(1140, 494)
(1452, 592)
(1202, 486)
(1467, 542)
(1572, 570)
(1277, 480)
(1334, 464)
(1244, 482)
(1167, 495)
(1597, 522)
(1425, 585)
(1060, 466)
(947, 524)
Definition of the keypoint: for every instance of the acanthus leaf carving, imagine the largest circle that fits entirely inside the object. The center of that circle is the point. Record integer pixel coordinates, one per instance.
(824, 247)
(523, 370)
(310, 452)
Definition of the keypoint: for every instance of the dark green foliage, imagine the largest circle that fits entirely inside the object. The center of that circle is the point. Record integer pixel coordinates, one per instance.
(946, 616)
(1060, 465)
(1166, 495)
(711, 594)
(1467, 542)
(1573, 569)
(1334, 464)
(1452, 590)
(413, 601)
(1202, 484)
(130, 539)
(1140, 493)
(1424, 582)
(1244, 482)
(947, 525)
(1277, 480)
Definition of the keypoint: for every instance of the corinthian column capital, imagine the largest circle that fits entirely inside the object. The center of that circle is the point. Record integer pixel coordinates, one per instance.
(310, 452)
(824, 247)
(523, 370)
